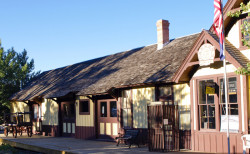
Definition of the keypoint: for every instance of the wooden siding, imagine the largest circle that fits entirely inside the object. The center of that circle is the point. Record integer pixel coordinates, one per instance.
(216, 142)
(182, 97)
(85, 120)
(49, 112)
(85, 132)
(20, 107)
(141, 96)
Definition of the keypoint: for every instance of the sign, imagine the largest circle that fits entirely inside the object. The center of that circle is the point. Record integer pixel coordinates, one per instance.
(233, 123)
(206, 54)
(210, 87)
(165, 121)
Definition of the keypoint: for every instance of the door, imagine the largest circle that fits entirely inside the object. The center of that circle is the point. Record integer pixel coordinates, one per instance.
(68, 119)
(163, 130)
(107, 119)
(36, 121)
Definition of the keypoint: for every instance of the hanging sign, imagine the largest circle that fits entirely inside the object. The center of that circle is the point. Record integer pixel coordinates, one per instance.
(206, 54)
(210, 87)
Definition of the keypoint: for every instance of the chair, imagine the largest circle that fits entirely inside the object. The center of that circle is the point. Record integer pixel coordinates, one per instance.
(246, 142)
(130, 137)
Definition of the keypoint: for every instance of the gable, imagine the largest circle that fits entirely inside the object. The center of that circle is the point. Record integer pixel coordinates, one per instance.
(191, 64)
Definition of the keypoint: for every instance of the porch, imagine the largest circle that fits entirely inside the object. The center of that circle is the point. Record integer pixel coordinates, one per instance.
(61, 145)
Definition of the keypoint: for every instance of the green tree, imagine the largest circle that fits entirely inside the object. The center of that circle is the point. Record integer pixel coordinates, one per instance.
(245, 30)
(16, 70)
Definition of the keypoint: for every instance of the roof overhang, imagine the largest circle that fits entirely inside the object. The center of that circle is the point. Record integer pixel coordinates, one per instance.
(191, 62)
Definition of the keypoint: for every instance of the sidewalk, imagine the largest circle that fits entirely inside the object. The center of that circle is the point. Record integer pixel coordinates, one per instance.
(62, 145)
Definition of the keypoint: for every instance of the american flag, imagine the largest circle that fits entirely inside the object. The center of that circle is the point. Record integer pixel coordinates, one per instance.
(218, 25)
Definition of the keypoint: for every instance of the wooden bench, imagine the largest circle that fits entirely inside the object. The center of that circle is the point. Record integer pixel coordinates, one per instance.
(130, 137)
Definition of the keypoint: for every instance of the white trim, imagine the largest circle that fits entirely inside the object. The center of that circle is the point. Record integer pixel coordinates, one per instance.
(242, 103)
(194, 105)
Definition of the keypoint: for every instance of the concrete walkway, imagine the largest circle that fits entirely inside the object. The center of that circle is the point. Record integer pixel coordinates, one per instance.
(62, 145)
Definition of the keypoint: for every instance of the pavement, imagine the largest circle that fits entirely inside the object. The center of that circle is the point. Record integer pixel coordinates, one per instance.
(63, 145)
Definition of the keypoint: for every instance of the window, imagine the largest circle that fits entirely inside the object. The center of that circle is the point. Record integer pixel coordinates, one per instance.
(35, 111)
(103, 109)
(246, 28)
(126, 108)
(244, 38)
(232, 105)
(165, 91)
(206, 106)
(212, 105)
(113, 109)
(84, 107)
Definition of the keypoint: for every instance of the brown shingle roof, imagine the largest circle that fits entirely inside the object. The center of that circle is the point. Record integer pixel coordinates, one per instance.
(233, 51)
(137, 66)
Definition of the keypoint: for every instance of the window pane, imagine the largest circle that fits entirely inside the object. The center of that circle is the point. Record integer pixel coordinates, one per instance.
(223, 109)
(125, 117)
(204, 123)
(129, 118)
(203, 114)
(103, 109)
(233, 109)
(202, 92)
(72, 110)
(245, 21)
(113, 109)
(84, 106)
(222, 91)
(165, 91)
(211, 109)
(212, 123)
(232, 90)
(66, 110)
(210, 99)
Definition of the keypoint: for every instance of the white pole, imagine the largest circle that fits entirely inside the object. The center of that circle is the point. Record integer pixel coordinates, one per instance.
(226, 98)
(225, 80)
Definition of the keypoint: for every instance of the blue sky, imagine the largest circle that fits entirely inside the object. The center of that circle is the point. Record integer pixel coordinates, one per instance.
(57, 33)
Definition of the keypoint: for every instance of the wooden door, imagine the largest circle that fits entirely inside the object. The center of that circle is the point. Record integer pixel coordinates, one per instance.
(107, 119)
(36, 119)
(163, 130)
(155, 128)
(68, 119)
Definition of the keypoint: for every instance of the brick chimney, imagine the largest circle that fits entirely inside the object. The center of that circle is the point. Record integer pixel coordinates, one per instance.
(162, 33)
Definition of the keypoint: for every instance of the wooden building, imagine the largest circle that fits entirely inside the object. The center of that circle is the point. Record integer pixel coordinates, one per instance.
(99, 98)
(208, 120)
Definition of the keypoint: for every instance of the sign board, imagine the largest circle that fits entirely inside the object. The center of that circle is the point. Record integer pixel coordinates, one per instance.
(206, 54)
(233, 123)
(165, 121)
(210, 87)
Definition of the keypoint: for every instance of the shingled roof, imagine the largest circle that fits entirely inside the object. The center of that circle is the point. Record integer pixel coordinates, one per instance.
(143, 65)
(233, 51)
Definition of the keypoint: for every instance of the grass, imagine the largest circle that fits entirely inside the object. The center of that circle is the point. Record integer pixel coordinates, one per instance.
(6, 148)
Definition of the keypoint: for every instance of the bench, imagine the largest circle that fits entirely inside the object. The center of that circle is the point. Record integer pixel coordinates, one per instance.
(130, 137)
(246, 142)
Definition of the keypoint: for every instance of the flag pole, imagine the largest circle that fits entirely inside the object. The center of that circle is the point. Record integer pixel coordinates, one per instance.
(225, 80)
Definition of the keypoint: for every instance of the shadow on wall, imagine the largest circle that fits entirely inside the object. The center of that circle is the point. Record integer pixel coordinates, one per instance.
(50, 113)
(20, 107)
(141, 97)
(182, 98)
